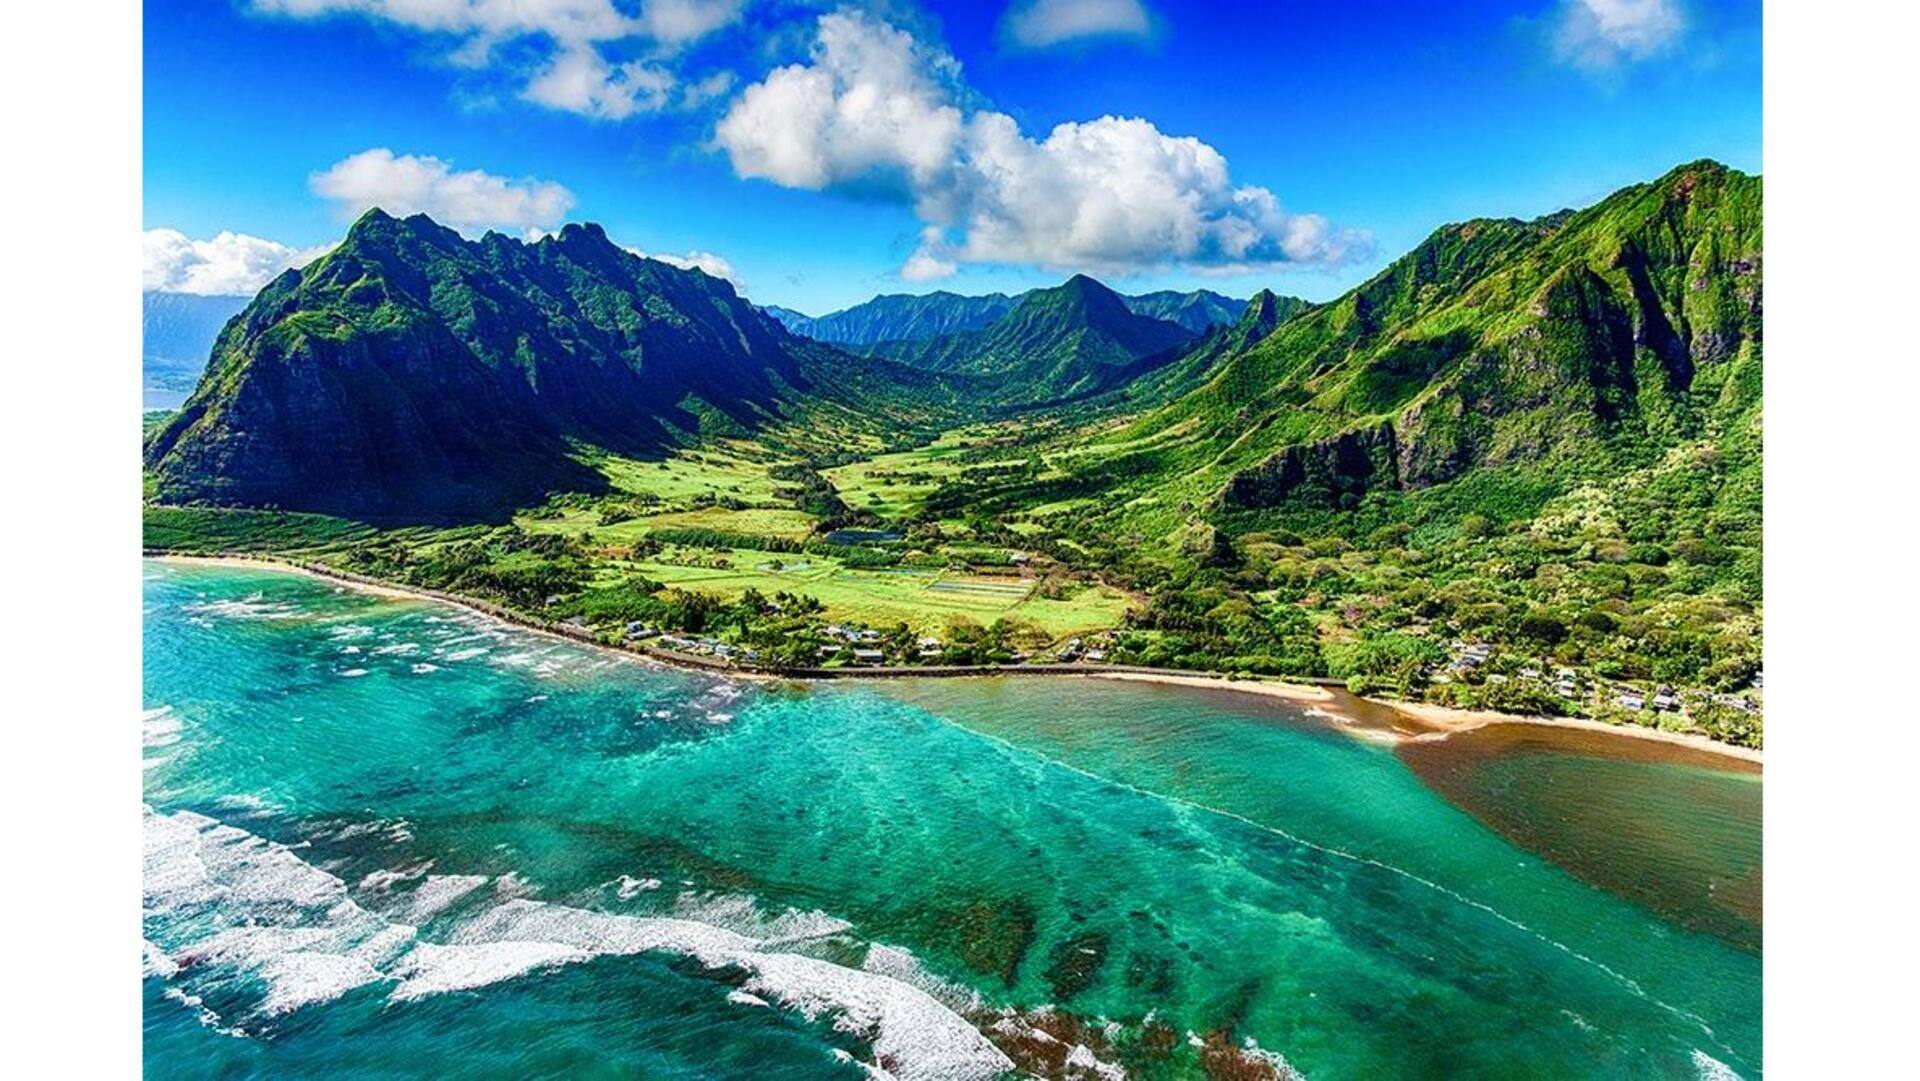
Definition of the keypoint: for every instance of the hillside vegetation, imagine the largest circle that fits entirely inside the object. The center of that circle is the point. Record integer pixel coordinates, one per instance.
(1520, 468)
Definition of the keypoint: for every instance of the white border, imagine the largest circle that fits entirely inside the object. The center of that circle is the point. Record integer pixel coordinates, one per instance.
(1843, 456)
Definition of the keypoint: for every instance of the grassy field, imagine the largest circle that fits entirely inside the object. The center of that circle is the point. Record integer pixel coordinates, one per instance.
(725, 487)
(924, 599)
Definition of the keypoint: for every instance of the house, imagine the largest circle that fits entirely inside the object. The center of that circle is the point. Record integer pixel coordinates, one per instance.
(637, 630)
(1473, 656)
(1664, 699)
(1096, 655)
(869, 656)
(1631, 700)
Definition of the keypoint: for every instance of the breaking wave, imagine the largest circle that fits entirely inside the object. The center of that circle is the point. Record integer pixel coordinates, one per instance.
(220, 903)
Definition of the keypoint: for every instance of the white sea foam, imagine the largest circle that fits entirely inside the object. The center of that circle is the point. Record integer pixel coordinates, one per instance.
(235, 900)
(906, 1025)
(1712, 1069)
(400, 649)
(421, 668)
(253, 607)
(439, 893)
(430, 969)
(744, 999)
(155, 962)
(216, 895)
(353, 673)
(468, 654)
(629, 886)
(159, 727)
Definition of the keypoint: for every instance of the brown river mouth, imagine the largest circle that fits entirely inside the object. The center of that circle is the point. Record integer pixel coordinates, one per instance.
(1671, 828)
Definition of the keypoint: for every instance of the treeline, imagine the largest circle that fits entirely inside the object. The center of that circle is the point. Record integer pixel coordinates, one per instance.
(701, 537)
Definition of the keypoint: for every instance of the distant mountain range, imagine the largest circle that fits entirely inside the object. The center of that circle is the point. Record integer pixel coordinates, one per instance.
(412, 372)
(177, 332)
(1074, 340)
(900, 317)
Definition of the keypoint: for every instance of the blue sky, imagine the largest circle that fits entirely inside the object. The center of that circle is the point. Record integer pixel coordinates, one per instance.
(820, 153)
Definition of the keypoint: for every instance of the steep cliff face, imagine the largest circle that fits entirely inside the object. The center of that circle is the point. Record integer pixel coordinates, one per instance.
(414, 374)
(1603, 334)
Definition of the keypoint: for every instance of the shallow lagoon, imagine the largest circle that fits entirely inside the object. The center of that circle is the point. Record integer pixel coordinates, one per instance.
(511, 819)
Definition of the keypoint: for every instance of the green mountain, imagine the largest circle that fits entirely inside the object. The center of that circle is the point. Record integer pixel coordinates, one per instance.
(1198, 311)
(1259, 317)
(412, 373)
(1072, 341)
(1582, 342)
(898, 317)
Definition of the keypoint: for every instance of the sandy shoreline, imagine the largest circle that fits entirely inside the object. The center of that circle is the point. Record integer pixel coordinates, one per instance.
(393, 592)
(1423, 721)
(1377, 720)
(364, 586)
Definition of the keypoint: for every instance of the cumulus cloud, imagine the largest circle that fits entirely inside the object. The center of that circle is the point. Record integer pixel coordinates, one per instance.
(573, 71)
(1600, 35)
(580, 80)
(1037, 24)
(229, 264)
(705, 261)
(876, 110)
(470, 200)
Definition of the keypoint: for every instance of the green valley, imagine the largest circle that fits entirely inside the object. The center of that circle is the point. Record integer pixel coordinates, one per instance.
(1519, 469)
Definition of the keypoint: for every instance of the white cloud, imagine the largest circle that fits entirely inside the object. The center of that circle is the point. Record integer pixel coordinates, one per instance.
(879, 111)
(677, 22)
(574, 72)
(581, 81)
(1037, 24)
(705, 261)
(873, 101)
(470, 201)
(1599, 35)
(229, 264)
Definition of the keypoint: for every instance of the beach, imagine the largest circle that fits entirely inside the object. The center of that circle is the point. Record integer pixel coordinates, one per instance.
(1397, 722)
(1377, 720)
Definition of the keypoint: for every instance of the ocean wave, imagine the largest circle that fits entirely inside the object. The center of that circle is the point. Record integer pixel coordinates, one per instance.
(1708, 1068)
(217, 897)
(159, 727)
(252, 607)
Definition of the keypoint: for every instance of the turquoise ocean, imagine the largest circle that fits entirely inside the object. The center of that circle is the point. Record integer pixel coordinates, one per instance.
(390, 838)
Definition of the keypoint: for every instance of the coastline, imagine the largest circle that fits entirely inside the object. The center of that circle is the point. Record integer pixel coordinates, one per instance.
(1422, 722)
(1377, 720)
(377, 588)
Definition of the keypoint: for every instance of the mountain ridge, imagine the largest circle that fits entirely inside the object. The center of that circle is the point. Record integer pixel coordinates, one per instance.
(413, 372)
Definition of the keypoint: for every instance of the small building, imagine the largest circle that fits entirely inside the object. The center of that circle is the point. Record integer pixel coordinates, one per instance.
(1633, 700)
(1664, 699)
(1096, 655)
(869, 656)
